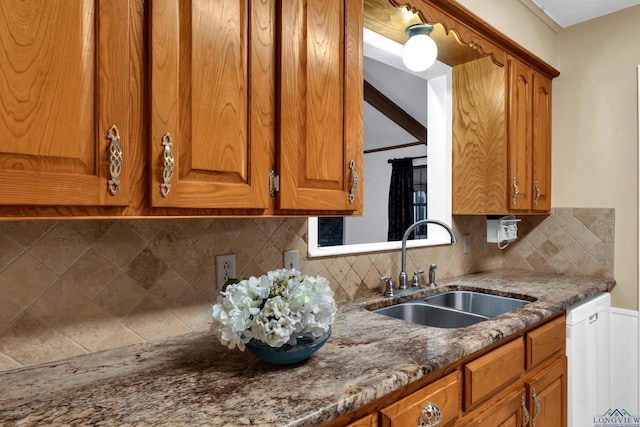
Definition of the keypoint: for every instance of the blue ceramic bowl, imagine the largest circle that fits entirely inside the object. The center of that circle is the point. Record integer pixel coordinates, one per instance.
(287, 354)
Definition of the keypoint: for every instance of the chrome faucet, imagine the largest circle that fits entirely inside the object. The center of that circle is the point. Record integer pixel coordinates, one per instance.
(403, 273)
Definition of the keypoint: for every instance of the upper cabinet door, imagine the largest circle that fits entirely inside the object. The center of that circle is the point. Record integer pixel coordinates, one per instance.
(541, 174)
(212, 103)
(320, 105)
(519, 135)
(63, 85)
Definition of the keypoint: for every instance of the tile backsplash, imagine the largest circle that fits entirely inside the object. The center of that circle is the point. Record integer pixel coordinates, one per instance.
(71, 287)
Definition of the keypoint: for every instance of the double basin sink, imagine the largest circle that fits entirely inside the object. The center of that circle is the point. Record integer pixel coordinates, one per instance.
(452, 309)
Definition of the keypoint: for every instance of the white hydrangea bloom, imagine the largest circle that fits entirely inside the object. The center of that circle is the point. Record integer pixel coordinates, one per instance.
(273, 308)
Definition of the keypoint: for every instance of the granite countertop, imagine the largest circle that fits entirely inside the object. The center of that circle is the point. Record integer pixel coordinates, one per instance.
(193, 380)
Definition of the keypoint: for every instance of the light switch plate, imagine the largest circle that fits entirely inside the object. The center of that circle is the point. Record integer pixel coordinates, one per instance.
(292, 259)
(225, 268)
(466, 243)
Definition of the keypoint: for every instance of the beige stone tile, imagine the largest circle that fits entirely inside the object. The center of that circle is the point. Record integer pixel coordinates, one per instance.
(250, 240)
(9, 310)
(372, 280)
(221, 234)
(170, 289)
(7, 363)
(272, 226)
(269, 257)
(90, 230)
(145, 269)
(120, 296)
(74, 315)
(9, 251)
(351, 283)
(548, 249)
(56, 348)
(120, 245)
(146, 229)
(194, 311)
(25, 280)
(24, 338)
(194, 227)
(337, 267)
(59, 249)
(170, 243)
(90, 274)
(588, 240)
(194, 264)
(361, 266)
(206, 286)
(283, 237)
(25, 233)
(120, 337)
(150, 321)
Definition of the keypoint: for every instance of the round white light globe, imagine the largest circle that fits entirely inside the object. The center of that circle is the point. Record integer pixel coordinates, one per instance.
(419, 52)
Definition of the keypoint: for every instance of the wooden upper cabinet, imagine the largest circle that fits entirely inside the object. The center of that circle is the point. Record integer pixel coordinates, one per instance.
(529, 139)
(320, 104)
(541, 174)
(63, 84)
(223, 117)
(479, 148)
(212, 103)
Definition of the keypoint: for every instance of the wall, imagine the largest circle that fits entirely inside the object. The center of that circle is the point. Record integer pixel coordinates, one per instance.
(74, 287)
(523, 22)
(596, 163)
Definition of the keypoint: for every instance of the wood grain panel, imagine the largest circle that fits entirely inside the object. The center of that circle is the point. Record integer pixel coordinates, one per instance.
(320, 106)
(479, 142)
(545, 341)
(492, 372)
(63, 83)
(507, 413)
(541, 143)
(520, 135)
(444, 393)
(550, 387)
(217, 58)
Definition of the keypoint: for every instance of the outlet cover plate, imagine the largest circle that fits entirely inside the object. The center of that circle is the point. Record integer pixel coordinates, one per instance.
(225, 269)
(291, 259)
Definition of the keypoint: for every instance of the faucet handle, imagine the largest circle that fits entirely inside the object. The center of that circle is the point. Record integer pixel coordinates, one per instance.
(388, 289)
(415, 282)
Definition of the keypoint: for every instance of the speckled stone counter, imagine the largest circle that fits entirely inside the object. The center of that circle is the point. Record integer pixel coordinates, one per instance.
(192, 380)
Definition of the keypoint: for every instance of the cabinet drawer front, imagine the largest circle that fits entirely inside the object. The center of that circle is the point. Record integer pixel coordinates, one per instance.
(546, 341)
(368, 421)
(445, 393)
(493, 371)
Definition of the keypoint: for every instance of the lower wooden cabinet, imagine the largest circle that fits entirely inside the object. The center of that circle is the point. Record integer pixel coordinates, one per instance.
(522, 383)
(508, 412)
(443, 396)
(547, 395)
(370, 420)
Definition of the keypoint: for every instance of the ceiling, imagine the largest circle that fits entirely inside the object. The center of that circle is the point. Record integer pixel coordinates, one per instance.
(569, 12)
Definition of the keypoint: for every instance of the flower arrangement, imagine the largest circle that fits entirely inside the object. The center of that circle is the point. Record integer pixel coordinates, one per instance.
(273, 308)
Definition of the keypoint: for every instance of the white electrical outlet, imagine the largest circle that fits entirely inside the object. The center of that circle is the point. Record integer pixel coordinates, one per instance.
(291, 259)
(225, 268)
(466, 239)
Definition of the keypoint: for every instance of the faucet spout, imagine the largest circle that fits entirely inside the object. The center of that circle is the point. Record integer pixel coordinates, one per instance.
(403, 273)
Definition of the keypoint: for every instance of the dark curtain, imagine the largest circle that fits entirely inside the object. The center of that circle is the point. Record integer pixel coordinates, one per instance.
(400, 198)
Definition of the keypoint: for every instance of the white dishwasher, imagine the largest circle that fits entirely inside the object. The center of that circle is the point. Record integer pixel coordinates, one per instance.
(589, 364)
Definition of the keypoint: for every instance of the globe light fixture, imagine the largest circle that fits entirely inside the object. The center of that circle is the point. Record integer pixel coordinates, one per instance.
(420, 51)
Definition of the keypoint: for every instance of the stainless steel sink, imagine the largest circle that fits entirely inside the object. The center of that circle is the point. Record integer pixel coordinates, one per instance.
(476, 302)
(428, 315)
(452, 309)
